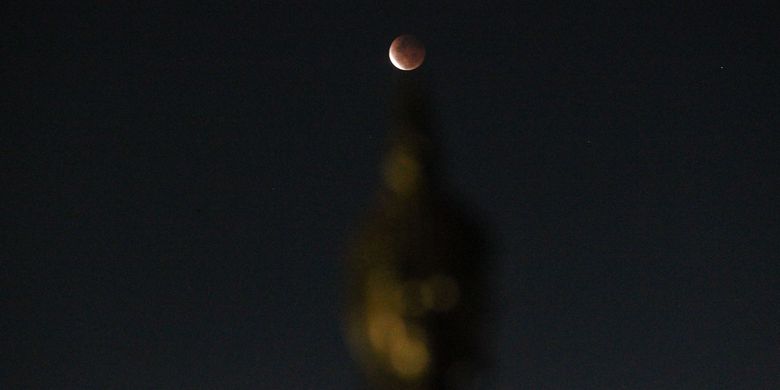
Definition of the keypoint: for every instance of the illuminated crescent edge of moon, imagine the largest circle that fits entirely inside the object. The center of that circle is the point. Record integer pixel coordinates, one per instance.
(398, 65)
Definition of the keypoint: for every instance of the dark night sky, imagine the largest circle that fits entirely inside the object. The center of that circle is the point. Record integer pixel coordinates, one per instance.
(180, 180)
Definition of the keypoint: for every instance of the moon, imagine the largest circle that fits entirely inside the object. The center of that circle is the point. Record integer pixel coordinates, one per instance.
(407, 52)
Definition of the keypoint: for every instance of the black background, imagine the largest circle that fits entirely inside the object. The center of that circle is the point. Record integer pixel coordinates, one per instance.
(180, 180)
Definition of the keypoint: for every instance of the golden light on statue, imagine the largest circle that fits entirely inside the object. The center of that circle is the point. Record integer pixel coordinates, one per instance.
(413, 299)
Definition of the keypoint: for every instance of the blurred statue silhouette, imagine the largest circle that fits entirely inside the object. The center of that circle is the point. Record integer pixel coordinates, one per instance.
(415, 290)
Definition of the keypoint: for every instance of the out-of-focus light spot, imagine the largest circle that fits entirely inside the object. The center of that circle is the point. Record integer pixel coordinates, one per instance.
(401, 345)
(384, 306)
(440, 293)
(383, 292)
(383, 326)
(401, 171)
(409, 355)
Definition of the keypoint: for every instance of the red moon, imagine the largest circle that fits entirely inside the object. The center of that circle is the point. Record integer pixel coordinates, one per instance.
(407, 52)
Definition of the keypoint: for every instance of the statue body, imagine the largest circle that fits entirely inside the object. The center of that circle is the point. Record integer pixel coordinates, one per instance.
(414, 270)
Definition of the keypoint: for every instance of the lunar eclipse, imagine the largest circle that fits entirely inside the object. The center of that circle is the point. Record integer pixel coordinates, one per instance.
(407, 52)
